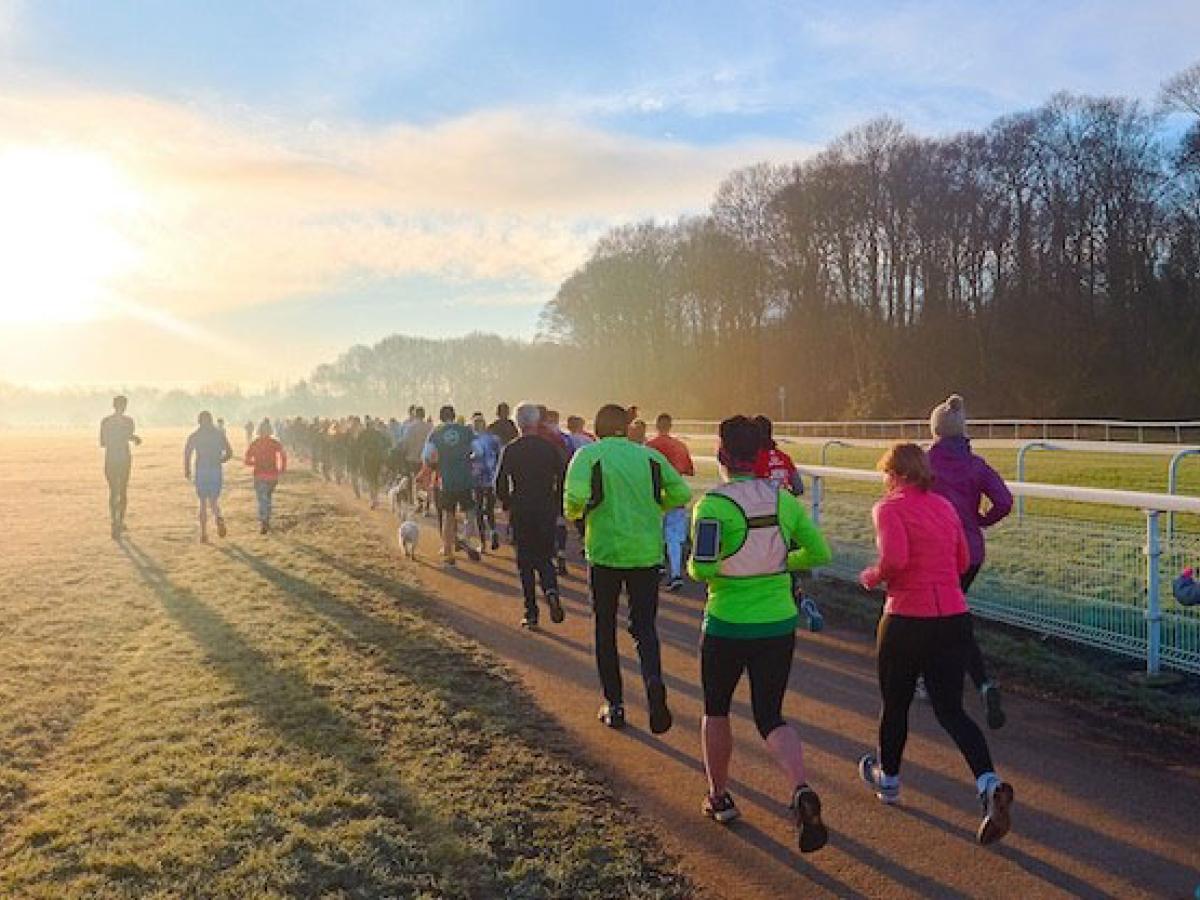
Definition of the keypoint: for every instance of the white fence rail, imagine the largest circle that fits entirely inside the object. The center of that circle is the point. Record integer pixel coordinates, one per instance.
(1158, 432)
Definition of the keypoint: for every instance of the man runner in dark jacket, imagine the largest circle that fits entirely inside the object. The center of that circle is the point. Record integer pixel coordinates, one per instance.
(529, 485)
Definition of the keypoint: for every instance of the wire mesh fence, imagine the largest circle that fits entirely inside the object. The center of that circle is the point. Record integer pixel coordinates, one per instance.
(1078, 579)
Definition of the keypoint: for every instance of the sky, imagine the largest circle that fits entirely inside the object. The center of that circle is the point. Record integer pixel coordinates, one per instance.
(236, 190)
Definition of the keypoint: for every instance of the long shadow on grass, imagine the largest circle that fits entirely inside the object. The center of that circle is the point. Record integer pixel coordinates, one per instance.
(463, 680)
(287, 704)
(450, 673)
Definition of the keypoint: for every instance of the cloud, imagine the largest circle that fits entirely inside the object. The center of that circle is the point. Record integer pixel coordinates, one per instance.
(236, 208)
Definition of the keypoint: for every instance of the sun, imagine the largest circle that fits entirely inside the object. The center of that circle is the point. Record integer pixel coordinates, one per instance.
(64, 217)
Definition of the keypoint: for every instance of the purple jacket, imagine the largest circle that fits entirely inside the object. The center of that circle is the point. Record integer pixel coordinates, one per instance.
(964, 479)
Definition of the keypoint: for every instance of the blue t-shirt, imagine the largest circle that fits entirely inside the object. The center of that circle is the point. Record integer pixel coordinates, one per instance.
(485, 458)
(453, 445)
(210, 446)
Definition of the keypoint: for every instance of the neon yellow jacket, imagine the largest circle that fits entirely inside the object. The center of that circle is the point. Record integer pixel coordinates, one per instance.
(613, 486)
(759, 605)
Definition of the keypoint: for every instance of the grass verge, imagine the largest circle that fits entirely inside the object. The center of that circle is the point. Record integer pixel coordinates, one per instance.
(270, 716)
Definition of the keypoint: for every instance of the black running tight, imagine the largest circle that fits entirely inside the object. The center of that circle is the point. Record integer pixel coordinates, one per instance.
(937, 649)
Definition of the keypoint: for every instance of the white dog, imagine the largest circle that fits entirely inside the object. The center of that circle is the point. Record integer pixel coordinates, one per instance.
(410, 535)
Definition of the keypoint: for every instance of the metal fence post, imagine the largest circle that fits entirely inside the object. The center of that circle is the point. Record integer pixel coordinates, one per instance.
(1025, 448)
(1153, 607)
(816, 499)
(1173, 483)
(832, 442)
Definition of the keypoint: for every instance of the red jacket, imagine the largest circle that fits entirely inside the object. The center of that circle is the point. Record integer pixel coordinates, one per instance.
(675, 451)
(922, 552)
(268, 458)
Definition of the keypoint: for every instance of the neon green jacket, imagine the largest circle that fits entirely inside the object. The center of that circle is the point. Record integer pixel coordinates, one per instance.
(759, 605)
(611, 485)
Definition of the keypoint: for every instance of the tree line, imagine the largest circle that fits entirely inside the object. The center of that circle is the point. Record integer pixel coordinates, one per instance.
(1048, 265)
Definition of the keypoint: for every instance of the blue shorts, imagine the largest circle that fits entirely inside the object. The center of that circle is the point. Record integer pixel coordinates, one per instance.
(208, 483)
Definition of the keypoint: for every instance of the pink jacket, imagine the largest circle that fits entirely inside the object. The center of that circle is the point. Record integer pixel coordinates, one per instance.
(922, 552)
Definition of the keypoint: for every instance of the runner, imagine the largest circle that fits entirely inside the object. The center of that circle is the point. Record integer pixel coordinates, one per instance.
(576, 436)
(449, 450)
(269, 460)
(117, 432)
(485, 457)
(329, 440)
(925, 630)
(373, 447)
(249, 429)
(210, 447)
(548, 430)
(750, 619)
(965, 479)
(637, 431)
(675, 522)
(416, 433)
(621, 489)
(353, 459)
(503, 428)
(774, 464)
(529, 486)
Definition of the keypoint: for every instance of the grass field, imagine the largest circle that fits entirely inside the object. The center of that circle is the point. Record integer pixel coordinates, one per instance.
(265, 717)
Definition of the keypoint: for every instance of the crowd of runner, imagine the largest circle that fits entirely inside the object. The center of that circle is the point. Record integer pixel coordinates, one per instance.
(747, 539)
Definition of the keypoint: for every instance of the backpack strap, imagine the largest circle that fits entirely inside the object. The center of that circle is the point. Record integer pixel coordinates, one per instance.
(656, 484)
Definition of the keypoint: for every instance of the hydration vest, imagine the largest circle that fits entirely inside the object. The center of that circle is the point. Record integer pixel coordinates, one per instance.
(764, 551)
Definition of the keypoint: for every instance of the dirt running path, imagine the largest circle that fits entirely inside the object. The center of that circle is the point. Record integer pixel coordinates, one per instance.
(1092, 819)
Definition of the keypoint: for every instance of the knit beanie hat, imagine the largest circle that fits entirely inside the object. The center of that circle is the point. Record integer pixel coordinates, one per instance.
(949, 419)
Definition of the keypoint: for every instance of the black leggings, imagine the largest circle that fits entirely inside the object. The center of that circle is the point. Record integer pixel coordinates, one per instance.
(485, 510)
(937, 649)
(642, 585)
(769, 663)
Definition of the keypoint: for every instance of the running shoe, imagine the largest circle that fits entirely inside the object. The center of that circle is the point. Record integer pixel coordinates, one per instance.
(529, 623)
(660, 715)
(556, 609)
(816, 621)
(806, 810)
(886, 789)
(612, 715)
(473, 555)
(676, 585)
(495, 540)
(997, 803)
(720, 809)
(222, 531)
(991, 702)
